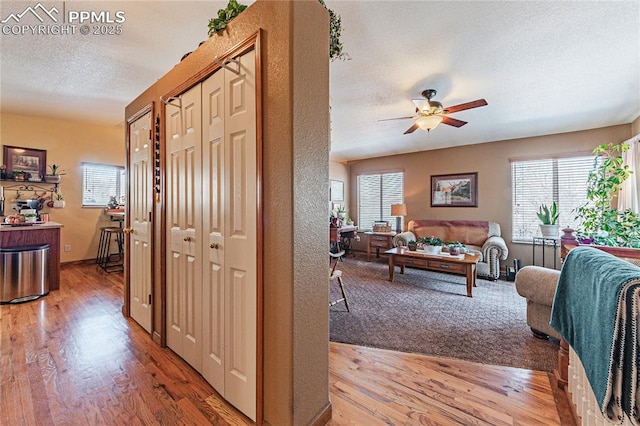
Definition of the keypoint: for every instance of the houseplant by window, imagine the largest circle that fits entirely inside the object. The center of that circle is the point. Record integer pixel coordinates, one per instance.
(549, 218)
(600, 220)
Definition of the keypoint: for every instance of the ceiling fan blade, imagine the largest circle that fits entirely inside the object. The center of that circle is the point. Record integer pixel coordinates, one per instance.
(412, 129)
(462, 107)
(452, 121)
(398, 118)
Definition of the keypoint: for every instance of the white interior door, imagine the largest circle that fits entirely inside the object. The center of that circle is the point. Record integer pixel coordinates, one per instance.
(141, 176)
(240, 225)
(213, 190)
(184, 275)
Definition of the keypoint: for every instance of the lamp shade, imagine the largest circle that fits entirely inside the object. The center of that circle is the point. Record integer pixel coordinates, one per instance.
(429, 122)
(398, 209)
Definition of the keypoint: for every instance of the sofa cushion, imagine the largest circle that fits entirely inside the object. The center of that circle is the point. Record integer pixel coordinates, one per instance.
(466, 231)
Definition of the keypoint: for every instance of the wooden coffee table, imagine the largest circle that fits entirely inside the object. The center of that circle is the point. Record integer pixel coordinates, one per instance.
(466, 265)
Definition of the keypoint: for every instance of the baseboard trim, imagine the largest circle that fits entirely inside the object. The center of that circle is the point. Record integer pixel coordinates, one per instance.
(323, 416)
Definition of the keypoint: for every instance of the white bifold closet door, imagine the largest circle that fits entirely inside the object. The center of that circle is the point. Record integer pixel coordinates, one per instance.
(141, 176)
(222, 246)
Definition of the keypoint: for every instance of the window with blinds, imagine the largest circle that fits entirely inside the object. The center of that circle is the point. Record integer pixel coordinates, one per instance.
(543, 181)
(376, 194)
(100, 182)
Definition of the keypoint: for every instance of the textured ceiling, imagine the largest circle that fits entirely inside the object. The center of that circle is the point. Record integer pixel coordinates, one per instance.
(543, 67)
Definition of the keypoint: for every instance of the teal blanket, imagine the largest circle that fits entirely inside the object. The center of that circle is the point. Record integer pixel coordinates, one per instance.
(595, 309)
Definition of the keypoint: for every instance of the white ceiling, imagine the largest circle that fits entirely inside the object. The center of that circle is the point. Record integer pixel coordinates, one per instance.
(543, 67)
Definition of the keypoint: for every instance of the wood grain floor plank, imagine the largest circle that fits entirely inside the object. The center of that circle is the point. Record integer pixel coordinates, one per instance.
(72, 358)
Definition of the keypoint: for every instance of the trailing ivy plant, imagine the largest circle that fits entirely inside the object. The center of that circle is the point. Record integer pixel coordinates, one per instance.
(335, 31)
(234, 8)
(600, 219)
(225, 16)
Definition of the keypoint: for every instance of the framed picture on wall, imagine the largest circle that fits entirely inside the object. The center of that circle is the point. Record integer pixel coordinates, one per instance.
(454, 190)
(337, 190)
(28, 160)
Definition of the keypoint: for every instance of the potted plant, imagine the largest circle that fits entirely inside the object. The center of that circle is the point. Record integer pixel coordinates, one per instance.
(54, 176)
(549, 227)
(455, 247)
(349, 221)
(413, 245)
(431, 245)
(59, 202)
(342, 212)
(601, 222)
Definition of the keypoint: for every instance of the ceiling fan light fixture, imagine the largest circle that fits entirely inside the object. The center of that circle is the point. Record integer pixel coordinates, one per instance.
(429, 122)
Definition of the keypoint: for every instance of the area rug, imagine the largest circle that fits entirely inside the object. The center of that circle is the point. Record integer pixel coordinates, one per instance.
(429, 313)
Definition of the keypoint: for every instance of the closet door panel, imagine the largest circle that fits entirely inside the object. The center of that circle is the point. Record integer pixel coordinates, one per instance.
(213, 173)
(140, 174)
(241, 245)
(184, 275)
(175, 288)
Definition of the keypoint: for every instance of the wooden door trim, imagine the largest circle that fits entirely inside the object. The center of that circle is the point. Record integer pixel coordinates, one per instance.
(126, 306)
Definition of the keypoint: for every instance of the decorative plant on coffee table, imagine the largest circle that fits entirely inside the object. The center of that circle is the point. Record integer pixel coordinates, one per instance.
(431, 245)
(413, 245)
(549, 218)
(455, 247)
(600, 220)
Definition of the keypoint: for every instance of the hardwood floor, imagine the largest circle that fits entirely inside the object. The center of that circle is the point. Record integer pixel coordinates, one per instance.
(72, 358)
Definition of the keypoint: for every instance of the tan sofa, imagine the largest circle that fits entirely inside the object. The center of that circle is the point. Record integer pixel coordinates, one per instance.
(538, 286)
(480, 237)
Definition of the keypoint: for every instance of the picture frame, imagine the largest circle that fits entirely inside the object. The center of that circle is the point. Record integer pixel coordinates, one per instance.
(337, 190)
(29, 160)
(454, 190)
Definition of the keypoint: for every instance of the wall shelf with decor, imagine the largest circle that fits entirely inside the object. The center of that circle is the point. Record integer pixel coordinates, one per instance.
(26, 185)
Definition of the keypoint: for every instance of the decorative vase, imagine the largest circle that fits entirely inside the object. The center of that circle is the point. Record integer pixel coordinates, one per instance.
(550, 231)
(59, 204)
(431, 249)
(52, 178)
(413, 248)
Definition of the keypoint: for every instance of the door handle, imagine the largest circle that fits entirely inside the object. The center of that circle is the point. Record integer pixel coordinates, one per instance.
(187, 239)
(127, 230)
(214, 245)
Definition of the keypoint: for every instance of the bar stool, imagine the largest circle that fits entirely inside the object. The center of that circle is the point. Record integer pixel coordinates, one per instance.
(111, 262)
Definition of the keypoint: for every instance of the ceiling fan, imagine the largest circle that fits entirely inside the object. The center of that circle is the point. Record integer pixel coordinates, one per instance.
(431, 113)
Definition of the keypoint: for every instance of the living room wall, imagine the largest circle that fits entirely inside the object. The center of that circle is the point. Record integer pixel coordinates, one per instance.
(68, 143)
(491, 161)
(339, 171)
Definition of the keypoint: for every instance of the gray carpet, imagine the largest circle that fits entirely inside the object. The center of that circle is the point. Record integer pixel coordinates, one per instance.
(428, 312)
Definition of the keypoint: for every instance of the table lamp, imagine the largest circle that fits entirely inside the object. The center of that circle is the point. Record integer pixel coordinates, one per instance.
(398, 210)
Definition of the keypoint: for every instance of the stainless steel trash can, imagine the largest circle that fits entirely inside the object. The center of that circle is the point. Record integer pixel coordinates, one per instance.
(24, 273)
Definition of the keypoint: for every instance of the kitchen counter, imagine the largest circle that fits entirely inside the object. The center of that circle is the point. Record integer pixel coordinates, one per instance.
(29, 227)
(37, 234)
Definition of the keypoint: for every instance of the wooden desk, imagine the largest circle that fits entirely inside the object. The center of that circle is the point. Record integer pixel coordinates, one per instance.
(377, 241)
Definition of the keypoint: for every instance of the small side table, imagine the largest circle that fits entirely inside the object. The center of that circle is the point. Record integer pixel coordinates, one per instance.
(379, 240)
(546, 242)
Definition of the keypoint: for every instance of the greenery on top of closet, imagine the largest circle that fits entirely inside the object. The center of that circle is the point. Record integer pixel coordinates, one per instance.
(234, 8)
(225, 16)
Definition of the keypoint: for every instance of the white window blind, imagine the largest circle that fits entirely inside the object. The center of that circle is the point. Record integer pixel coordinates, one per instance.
(376, 194)
(100, 182)
(543, 181)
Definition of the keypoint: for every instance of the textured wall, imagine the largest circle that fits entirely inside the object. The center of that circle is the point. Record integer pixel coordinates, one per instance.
(491, 161)
(68, 143)
(310, 196)
(295, 179)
